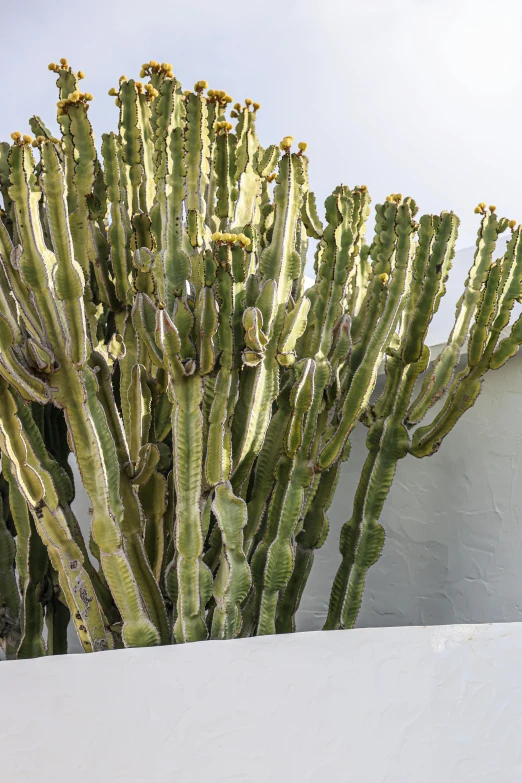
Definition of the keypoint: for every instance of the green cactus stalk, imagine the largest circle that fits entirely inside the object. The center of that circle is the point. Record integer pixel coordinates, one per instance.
(156, 330)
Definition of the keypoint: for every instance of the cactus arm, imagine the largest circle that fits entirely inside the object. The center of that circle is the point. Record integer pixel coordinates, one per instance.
(311, 537)
(83, 179)
(279, 262)
(232, 581)
(197, 146)
(119, 252)
(444, 367)
(36, 262)
(364, 378)
(67, 273)
(148, 185)
(131, 140)
(9, 595)
(31, 563)
(246, 174)
(37, 487)
(153, 495)
(187, 427)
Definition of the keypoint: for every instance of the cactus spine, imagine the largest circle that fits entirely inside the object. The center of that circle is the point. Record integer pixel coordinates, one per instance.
(154, 321)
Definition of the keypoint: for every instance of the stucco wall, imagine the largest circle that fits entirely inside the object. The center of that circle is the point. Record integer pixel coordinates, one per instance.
(395, 705)
(453, 549)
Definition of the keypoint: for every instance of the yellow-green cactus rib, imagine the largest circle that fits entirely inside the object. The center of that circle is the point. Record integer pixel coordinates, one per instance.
(31, 563)
(232, 581)
(83, 179)
(197, 145)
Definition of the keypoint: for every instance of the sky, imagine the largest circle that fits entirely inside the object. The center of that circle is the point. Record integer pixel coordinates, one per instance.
(421, 97)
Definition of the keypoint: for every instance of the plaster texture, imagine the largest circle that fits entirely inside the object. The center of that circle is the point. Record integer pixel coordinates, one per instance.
(398, 705)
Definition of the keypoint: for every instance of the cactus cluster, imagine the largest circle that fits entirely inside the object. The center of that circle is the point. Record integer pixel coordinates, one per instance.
(155, 324)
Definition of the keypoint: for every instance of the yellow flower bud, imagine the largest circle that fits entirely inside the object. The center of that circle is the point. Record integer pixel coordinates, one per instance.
(52, 66)
(81, 75)
(165, 66)
(248, 101)
(155, 92)
(256, 106)
(34, 143)
(228, 99)
(492, 208)
(303, 146)
(112, 91)
(170, 74)
(143, 73)
(187, 93)
(40, 139)
(216, 236)
(89, 96)
(203, 84)
(512, 224)
(117, 102)
(229, 126)
(54, 140)
(63, 60)
(287, 142)
(28, 139)
(477, 210)
(237, 106)
(383, 278)
(61, 104)
(233, 114)
(482, 205)
(122, 78)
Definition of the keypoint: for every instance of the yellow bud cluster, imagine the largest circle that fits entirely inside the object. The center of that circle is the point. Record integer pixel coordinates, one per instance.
(512, 224)
(218, 96)
(113, 91)
(287, 143)
(39, 140)
(201, 85)
(63, 65)
(271, 177)
(383, 278)
(81, 75)
(256, 106)
(230, 239)
(234, 114)
(16, 135)
(151, 91)
(237, 106)
(303, 146)
(155, 67)
(248, 101)
(122, 79)
(492, 208)
(223, 125)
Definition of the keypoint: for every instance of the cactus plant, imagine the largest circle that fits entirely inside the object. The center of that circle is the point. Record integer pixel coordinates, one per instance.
(155, 324)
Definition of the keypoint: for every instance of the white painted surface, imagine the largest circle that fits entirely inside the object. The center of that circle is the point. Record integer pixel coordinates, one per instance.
(453, 521)
(402, 705)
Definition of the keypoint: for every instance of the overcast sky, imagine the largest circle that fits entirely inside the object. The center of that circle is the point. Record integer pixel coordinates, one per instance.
(421, 97)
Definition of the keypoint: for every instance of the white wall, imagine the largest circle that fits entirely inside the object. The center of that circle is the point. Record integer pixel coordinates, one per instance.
(453, 521)
(401, 705)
